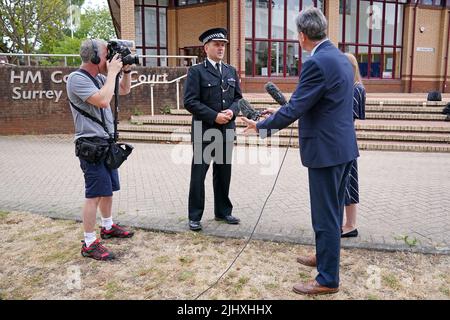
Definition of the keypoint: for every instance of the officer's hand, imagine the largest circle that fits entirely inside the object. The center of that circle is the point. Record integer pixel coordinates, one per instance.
(222, 118)
(115, 65)
(251, 126)
(229, 113)
(267, 112)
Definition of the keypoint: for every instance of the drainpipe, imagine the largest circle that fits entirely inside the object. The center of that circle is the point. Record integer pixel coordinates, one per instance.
(229, 31)
(444, 85)
(413, 46)
(239, 40)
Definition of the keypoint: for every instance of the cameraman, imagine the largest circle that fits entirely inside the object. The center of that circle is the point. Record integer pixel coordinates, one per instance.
(90, 93)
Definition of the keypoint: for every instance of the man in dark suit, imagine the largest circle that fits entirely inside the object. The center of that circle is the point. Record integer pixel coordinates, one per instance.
(211, 94)
(322, 102)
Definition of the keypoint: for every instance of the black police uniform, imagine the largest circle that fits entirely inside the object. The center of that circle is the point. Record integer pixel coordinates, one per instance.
(208, 92)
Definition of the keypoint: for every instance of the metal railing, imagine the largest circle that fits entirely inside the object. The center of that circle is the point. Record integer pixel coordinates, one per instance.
(192, 58)
(28, 58)
(35, 59)
(153, 83)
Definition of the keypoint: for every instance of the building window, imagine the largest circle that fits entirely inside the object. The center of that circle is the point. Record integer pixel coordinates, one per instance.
(437, 3)
(198, 51)
(372, 31)
(151, 30)
(182, 3)
(271, 44)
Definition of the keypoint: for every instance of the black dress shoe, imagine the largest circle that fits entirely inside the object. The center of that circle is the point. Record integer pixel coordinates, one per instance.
(350, 234)
(228, 219)
(195, 225)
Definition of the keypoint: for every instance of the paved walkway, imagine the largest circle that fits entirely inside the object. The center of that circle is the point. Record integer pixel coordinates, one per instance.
(402, 194)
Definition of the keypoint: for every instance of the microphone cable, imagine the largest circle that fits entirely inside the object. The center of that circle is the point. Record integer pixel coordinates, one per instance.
(256, 225)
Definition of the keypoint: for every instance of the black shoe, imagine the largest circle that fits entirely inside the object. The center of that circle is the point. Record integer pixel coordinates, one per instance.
(195, 225)
(228, 219)
(350, 234)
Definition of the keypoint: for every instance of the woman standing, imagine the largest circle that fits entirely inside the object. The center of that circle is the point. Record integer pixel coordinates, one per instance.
(352, 193)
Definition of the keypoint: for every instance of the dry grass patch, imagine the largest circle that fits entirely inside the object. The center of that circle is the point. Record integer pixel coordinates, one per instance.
(40, 259)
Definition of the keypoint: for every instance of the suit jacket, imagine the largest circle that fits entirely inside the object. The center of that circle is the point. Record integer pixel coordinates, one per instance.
(323, 103)
(206, 93)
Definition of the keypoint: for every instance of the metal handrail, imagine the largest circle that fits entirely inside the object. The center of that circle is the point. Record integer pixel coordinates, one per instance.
(158, 82)
(153, 83)
(65, 56)
(37, 55)
(193, 58)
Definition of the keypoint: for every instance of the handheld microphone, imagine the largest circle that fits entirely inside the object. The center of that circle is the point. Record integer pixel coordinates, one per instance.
(275, 93)
(248, 111)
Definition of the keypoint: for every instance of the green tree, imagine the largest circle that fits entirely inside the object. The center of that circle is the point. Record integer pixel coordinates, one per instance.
(96, 23)
(26, 24)
(66, 45)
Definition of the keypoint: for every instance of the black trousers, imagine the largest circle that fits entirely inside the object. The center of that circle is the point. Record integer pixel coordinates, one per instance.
(221, 155)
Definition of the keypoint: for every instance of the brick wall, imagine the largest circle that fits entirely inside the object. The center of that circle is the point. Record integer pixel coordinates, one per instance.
(127, 23)
(237, 36)
(332, 14)
(189, 22)
(48, 116)
(428, 67)
(288, 85)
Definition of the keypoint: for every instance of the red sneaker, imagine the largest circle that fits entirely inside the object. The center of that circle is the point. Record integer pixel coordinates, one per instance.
(116, 231)
(96, 251)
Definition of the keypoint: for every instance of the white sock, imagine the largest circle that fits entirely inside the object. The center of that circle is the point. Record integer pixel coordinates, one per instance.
(107, 223)
(89, 238)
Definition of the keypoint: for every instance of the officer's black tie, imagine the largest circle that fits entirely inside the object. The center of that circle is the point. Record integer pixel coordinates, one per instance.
(218, 67)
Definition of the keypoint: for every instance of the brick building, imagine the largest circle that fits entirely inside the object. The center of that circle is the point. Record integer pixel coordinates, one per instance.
(402, 45)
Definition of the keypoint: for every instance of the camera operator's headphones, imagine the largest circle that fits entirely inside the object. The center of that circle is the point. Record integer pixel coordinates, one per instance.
(95, 59)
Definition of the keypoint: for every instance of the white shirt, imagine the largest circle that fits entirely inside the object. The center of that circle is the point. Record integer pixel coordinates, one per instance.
(314, 50)
(214, 64)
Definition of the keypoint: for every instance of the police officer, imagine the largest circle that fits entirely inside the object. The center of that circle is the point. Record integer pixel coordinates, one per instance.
(211, 94)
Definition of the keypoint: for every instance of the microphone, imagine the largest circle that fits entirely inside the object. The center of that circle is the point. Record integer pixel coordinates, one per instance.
(248, 111)
(275, 93)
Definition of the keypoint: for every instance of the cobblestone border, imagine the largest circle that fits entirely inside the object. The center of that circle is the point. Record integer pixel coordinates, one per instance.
(306, 238)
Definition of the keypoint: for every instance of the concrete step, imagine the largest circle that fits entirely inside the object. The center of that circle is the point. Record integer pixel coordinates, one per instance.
(284, 141)
(361, 134)
(401, 136)
(399, 100)
(369, 109)
(371, 124)
(405, 116)
(403, 126)
(428, 116)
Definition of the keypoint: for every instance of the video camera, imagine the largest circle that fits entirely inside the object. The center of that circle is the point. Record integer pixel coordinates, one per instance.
(122, 47)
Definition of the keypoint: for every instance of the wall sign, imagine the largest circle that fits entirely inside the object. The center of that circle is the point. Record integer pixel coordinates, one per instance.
(423, 49)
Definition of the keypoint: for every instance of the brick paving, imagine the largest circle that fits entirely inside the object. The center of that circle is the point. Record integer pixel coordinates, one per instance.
(402, 194)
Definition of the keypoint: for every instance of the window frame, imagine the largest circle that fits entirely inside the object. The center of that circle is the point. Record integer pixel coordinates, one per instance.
(141, 5)
(342, 44)
(253, 39)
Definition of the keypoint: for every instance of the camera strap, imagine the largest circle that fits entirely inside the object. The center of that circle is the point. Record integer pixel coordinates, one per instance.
(86, 114)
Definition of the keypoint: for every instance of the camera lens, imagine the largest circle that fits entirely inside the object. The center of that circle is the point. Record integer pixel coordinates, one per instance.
(130, 59)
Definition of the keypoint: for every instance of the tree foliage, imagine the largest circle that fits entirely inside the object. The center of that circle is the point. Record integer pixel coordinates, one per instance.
(96, 23)
(27, 24)
(31, 26)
